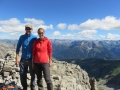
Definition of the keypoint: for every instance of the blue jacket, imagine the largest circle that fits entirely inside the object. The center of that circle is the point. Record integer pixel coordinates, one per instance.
(26, 41)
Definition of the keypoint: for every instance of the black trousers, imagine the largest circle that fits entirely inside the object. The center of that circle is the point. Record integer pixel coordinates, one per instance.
(24, 64)
(39, 68)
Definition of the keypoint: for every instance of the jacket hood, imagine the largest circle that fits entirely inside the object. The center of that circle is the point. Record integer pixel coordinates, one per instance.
(45, 38)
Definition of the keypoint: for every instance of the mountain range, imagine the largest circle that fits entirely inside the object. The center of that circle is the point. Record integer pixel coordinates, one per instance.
(77, 49)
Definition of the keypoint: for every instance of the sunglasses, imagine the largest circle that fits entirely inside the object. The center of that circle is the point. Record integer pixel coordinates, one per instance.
(40, 33)
(27, 28)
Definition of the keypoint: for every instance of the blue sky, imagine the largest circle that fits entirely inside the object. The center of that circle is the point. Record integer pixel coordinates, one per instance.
(62, 19)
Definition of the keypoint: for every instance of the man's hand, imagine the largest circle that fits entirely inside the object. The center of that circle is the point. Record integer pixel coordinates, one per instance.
(33, 65)
(17, 60)
(33, 62)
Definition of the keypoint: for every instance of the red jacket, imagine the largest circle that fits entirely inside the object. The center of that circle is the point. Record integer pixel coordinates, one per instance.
(42, 50)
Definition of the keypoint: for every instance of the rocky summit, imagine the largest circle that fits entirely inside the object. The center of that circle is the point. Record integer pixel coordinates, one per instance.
(65, 76)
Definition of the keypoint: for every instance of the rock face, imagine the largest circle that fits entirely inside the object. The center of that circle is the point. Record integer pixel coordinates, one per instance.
(67, 76)
(64, 76)
(9, 73)
(93, 83)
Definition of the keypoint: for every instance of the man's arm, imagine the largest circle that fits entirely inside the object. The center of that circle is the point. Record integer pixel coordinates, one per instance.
(17, 51)
(17, 59)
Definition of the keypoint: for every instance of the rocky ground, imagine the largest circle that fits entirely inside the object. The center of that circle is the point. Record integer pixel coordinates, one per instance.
(65, 76)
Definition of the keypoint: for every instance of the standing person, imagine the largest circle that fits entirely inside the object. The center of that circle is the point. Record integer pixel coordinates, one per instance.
(26, 41)
(42, 59)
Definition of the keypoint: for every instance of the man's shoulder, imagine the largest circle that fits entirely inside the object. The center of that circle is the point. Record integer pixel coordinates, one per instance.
(33, 36)
(21, 36)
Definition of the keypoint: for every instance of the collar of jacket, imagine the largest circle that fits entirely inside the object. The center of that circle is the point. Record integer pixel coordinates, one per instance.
(28, 34)
(43, 39)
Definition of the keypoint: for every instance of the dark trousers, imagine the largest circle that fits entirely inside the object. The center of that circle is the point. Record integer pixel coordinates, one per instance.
(24, 64)
(46, 72)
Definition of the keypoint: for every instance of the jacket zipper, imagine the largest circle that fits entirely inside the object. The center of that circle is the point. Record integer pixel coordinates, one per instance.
(28, 46)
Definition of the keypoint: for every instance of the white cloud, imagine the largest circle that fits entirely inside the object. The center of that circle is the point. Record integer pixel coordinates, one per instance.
(8, 28)
(33, 21)
(45, 27)
(14, 25)
(13, 33)
(110, 36)
(12, 21)
(89, 28)
(58, 35)
(87, 34)
(61, 26)
(107, 23)
(68, 35)
(73, 27)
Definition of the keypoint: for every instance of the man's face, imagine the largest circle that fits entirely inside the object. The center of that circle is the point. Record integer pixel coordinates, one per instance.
(28, 30)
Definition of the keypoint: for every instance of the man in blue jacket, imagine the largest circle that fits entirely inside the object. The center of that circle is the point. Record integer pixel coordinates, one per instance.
(26, 41)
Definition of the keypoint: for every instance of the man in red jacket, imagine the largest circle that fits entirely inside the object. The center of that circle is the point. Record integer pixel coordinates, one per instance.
(42, 59)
